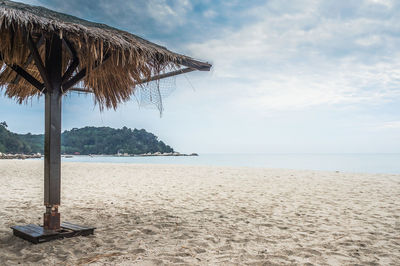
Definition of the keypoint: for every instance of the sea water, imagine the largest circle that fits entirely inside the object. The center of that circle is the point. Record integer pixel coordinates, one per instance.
(358, 163)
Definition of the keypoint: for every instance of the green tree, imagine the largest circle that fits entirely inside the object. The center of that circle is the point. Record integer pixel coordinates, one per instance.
(87, 140)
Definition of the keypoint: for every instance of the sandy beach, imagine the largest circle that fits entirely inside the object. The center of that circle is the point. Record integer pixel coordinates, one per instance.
(165, 214)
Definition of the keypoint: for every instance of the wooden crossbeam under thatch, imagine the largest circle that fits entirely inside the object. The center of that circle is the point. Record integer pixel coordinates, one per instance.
(38, 62)
(157, 77)
(75, 61)
(28, 77)
(29, 61)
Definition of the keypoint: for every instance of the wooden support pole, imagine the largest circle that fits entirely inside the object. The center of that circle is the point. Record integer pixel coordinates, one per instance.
(52, 144)
(191, 63)
(156, 77)
(167, 75)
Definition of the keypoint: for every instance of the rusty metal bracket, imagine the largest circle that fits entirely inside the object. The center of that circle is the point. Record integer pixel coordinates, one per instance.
(51, 218)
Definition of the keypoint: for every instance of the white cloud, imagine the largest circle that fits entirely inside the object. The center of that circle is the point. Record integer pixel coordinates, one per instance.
(210, 13)
(344, 86)
(294, 59)
(386, 3)
(391, 125)
(369, 40)
(32, 2)
(168, 13)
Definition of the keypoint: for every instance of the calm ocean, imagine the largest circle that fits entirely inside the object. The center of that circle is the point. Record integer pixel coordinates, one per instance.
(359, 163)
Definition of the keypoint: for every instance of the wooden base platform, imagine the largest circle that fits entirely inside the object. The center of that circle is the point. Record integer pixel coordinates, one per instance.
(36, 234)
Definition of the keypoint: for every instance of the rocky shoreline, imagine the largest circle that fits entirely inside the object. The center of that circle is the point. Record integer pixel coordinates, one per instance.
(165, 154)
(20, 156)
(38, 155)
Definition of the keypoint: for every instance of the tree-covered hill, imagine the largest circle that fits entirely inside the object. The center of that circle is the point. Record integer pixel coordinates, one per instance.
(106, 140)
(87, 140)
(11, 142)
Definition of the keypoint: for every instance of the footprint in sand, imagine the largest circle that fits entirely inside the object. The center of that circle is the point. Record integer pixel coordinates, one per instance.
(148, 231)
(138, 251)
(200, 250)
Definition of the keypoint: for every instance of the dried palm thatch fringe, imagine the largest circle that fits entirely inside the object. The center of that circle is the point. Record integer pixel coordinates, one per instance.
(130, 59)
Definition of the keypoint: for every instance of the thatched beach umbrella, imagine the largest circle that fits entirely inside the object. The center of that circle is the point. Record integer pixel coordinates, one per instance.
(43, 52)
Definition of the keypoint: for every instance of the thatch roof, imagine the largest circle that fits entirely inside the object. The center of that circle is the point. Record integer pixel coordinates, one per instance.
(115, 61)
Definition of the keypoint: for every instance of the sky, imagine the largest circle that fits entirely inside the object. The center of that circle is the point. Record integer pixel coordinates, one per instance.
(288, 76)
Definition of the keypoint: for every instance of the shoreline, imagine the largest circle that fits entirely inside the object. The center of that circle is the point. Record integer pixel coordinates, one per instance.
(343, 163)
(231, 167)
(338, 163)
(19, 156)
